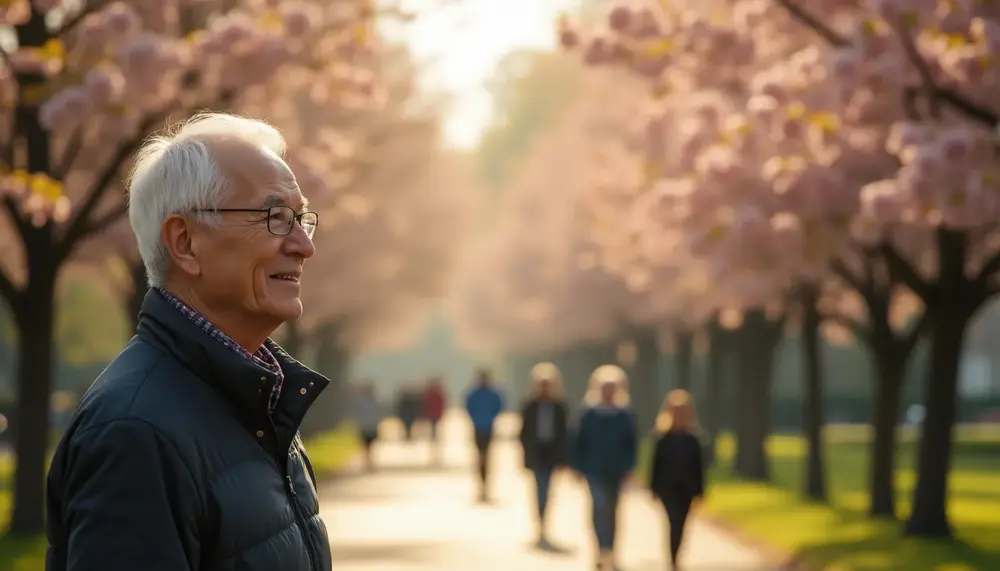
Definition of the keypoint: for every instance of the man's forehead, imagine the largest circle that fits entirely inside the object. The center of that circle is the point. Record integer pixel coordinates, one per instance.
(286, 197)
(249, 161)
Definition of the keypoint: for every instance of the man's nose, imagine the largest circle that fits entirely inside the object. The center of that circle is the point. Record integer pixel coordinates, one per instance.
(299, 243)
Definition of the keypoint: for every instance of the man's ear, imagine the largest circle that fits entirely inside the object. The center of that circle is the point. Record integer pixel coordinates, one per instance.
(176, 235)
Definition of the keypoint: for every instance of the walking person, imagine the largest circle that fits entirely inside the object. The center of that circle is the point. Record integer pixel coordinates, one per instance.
(185, 452)
(434, 403)
(543, 437)
(483, 403)
(677, 476)
(367, 414)
(409, 408)
(604, 454)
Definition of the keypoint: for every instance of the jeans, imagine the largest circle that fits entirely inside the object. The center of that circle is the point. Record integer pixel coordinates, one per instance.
(543, 480)
(605, 492)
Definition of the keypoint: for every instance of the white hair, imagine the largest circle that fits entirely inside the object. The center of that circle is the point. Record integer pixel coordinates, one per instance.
(175, 173)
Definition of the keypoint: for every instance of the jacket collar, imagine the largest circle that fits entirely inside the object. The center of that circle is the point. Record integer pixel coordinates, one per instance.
(243, 383)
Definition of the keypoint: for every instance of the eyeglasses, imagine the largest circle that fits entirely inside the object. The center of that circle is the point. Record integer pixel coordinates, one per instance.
(280, 219)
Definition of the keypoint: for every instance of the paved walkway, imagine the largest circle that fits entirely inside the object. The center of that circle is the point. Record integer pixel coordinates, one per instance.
(410, 516)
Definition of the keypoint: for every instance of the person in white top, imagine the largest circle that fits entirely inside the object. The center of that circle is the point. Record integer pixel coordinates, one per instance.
(367, 414)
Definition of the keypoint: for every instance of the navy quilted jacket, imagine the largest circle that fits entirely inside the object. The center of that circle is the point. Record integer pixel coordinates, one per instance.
(172, 463)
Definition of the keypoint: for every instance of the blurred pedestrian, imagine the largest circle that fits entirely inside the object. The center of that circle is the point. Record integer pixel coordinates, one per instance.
(604, 453)
(434, 403)
(184, 453)
(483, 403)
(367, 414)
(677, 477)
(409, 408)
(543, 436)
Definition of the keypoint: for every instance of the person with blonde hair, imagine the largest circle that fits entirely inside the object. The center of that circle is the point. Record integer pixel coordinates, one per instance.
(604, 453)
(544, 430)
(678, 475)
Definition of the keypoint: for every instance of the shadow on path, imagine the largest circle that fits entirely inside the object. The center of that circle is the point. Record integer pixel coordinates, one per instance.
(417, 469)
(397, 552)
(657, 566)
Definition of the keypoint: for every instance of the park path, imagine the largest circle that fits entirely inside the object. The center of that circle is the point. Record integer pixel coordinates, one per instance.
(411, 516)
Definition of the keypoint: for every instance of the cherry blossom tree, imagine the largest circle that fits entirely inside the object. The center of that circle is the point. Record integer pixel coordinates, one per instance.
(935, 63)
(829, 202)
(85, 82)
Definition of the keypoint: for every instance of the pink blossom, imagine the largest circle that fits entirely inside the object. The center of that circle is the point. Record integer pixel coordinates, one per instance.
(120, 20)
(104, 84)
(620, 18)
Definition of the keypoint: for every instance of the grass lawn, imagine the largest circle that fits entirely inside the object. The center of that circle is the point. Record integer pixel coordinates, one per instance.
(839, 537)
(328, 452)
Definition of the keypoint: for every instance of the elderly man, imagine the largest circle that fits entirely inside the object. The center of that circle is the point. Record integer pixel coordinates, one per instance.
(184, 454)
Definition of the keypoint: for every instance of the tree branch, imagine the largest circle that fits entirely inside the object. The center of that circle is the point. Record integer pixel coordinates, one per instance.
(20, 224)
(72, 150)
(934, 92)
(904, 272)
(987, 272)
(908, 340)
(89, 8)
(101, 223)
(857, 327)
(78, 225)
(850, 278)
(928, 85)
(828, 34)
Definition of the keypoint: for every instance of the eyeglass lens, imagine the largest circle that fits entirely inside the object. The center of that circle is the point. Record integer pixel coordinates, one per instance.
(281, 218)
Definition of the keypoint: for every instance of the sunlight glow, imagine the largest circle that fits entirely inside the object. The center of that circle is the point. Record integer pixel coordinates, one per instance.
(463, 44)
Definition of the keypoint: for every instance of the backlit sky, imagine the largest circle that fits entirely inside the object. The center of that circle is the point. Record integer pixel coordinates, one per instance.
(465, 42)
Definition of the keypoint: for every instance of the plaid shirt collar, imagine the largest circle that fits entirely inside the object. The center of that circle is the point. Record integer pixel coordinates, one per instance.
(261, 357)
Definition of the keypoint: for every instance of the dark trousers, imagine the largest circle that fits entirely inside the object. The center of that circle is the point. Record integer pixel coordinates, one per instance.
(605, 492)
(543, 481)
(483, 437)
(677, 506)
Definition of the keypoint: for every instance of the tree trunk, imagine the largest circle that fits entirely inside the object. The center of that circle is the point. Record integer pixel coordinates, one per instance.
(715, 381)
(684, 345)
(890, 371)
(645, 379)
(35, 313)
(815, 477)
(35, 321)
(333, 361)
(929, 517)
(758, 338)
(137, 275)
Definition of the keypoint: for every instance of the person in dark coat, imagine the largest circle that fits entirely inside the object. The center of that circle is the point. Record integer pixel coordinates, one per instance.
(543, 436)
(409, 408)
(677, 476)
(185, 454)
(604, 453)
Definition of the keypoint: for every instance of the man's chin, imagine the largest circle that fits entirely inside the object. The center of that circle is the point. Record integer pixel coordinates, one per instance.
(287, 310)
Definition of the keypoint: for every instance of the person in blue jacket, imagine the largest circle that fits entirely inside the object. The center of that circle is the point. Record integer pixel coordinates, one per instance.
(604, 453)
(484, 403)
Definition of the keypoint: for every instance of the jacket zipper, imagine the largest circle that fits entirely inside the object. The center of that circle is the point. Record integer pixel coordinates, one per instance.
(290, 493)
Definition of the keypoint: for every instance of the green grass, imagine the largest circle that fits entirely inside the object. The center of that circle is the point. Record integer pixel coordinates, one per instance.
(328, 452)
(839, 536)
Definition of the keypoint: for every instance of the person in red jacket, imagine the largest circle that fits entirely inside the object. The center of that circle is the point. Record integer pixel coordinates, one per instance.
(435, 402)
